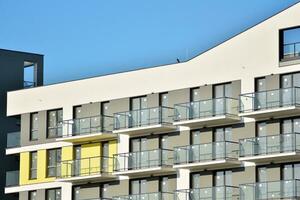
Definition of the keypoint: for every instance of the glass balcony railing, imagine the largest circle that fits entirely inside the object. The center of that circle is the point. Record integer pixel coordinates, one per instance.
(89, 125)
(284, 189)
(86, 167)
(270, 99)
(206, 108)
(143, 117)
(143, 159)
(291, 51)
(206, 152)
(147, 196)
(12, 178)
(217, 193)
(265, 145)
(13, 139)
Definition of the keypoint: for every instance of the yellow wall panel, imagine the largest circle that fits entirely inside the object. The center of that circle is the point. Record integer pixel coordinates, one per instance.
(66, 157)
(91, 161)
(41, 168)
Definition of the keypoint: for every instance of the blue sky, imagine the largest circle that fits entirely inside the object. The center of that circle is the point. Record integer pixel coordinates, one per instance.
(83, 38)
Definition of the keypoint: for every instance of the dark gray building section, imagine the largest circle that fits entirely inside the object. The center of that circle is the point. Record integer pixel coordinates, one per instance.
(12, 64)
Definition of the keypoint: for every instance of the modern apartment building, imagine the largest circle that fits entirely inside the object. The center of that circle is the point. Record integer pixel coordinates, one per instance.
(18, 70)
(223, 125)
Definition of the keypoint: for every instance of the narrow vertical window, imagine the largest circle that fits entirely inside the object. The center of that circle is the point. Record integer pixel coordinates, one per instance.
(54, 121)
(53, 162)
(34, 120)
(33, 165)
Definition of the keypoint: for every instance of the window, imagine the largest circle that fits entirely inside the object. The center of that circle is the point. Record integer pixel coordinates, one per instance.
(289, 44)
(289, 126)
(54, 121)
(220, 92)
(195, 180)
(53, 162)
(163, 99)
(105, 156)
(53, 194)
(222, 178)
(138, 186)
(34, 120)
(106, 122)
(32, 195)
(195, 137)
(164, 184)
(138, 103)
(291, 171)
(77, 157)
(195, 94)
(33, 165)
(29, 78)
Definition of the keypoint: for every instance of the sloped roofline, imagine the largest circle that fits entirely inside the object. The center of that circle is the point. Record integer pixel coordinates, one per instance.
(165, 65)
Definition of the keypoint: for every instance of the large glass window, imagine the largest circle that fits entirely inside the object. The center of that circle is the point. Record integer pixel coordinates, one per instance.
(222, 178)
(33, 165)
(53, 194)
(290, 44)
(291, 171)
(138, 186)
(138, 115)
(32, 195)
(53, 162)
(55, 119)
(34, 120)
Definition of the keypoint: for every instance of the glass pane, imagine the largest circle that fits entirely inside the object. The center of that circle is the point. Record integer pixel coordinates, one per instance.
(228, 90)
(164, 184)
(287, 126)
(218, 91)
(261, 85)
(135, 187)
(288, 172)
(262, 174)
(195, 137)
(195, 94)
(164, 99)
(296, 80)
(196, 181)
(219, 178)
(143, 186)
(286, 81)
(261, 129)
(33, 195)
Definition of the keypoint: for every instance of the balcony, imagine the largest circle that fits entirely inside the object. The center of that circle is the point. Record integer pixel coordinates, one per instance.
(148, 120)
(284, 189)
(218, 192)
(143, 162)
(13, 140)
(207, 113)
(12, 178)
(86, 169)
(147, 196)
(274, 148)
(216, 155)
(88, 129)
(291, 51)
(271, 104)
